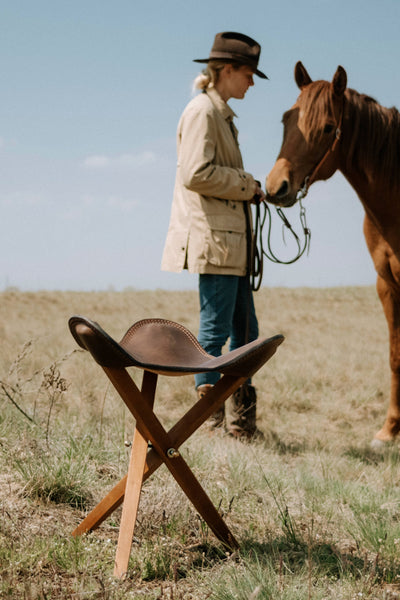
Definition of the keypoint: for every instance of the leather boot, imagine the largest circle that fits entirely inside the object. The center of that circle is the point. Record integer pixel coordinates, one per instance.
(217, 419)
(241, 417)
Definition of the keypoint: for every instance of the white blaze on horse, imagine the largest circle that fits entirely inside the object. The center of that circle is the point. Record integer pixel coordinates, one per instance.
(333, 128)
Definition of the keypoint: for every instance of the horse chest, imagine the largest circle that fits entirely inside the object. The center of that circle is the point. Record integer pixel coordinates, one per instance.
(386, 259)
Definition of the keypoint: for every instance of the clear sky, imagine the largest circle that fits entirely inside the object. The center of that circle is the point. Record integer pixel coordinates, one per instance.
(91, 93)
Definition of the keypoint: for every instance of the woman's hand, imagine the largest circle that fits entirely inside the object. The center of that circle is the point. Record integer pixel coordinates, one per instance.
(259, 195)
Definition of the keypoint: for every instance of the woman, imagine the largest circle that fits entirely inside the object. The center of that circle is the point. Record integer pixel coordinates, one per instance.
(210, 225)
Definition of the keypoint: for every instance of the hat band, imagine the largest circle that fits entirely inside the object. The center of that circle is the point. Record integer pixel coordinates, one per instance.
(233, 56)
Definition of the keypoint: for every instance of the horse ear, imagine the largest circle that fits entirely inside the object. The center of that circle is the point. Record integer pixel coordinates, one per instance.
(339, 81)
(301, 76)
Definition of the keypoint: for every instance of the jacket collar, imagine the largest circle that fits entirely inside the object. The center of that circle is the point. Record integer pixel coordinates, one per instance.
(220, 105)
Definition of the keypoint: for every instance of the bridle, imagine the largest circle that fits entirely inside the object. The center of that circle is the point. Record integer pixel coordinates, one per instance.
(303, 191)
(257, 251)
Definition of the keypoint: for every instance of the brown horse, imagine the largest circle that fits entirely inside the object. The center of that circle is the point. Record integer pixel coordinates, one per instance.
(329, 128)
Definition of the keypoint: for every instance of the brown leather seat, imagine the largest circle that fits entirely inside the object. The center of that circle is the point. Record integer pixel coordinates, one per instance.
(162, 347)
(167, 348)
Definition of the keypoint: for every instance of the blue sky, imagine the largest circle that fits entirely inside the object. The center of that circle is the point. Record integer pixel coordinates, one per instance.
(90, 99)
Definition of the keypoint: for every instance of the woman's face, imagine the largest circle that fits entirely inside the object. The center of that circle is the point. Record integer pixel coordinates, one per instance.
(238, 81)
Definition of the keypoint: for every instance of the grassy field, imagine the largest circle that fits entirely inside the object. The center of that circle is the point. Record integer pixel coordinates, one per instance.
(316, 511)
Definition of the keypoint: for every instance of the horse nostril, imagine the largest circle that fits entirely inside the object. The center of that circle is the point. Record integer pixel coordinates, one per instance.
(283, 190)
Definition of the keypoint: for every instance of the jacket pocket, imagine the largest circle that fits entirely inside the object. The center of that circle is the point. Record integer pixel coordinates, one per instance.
(226, 248)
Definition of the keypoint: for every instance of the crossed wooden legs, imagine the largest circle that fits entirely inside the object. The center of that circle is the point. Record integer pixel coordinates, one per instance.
(165, 449)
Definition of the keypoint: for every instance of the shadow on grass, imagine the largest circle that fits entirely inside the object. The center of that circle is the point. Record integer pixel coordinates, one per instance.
(327, 559)
(375, 456)
(293, 448)
(282, 556)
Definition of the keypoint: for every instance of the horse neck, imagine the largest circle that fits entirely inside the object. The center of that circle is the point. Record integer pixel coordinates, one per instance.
(370, 148)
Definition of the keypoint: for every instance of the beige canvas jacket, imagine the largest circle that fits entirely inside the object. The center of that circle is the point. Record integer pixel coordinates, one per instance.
(207, 229)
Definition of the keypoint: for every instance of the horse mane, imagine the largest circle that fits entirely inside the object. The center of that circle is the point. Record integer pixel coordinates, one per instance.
(371, 132)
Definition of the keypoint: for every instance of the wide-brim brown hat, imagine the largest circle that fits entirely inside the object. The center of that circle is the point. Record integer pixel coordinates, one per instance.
(230, 46)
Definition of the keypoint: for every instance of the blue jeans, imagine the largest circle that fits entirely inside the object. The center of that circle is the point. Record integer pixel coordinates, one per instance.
(224, 303)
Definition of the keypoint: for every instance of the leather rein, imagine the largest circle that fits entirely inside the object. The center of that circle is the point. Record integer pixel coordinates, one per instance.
(257, 251)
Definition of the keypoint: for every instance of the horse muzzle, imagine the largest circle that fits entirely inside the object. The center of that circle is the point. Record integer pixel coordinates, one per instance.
(278, 186)
(284, 196)
(285, 201)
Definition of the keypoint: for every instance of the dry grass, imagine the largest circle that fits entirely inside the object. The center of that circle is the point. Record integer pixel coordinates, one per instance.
(316, 511)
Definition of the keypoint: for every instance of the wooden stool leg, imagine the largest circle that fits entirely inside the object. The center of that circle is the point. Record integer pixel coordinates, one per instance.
(103, 509)
(133, 485)
(179, 433)
(131, 503)
(162, 442)
(202, 503)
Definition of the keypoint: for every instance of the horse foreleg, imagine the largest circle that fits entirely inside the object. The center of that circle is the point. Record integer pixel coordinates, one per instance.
(390, 299)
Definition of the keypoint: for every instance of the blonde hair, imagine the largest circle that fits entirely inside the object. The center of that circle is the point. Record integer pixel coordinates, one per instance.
(210, 75)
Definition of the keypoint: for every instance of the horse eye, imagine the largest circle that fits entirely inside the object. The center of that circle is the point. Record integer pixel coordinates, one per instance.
(328, 128)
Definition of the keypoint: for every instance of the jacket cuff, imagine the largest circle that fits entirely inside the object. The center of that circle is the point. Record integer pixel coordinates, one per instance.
(248, 185)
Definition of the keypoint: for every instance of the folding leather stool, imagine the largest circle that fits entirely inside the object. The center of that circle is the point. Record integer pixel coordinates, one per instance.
(162, 347)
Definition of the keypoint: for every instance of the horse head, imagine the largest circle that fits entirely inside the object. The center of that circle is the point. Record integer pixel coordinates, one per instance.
(312, 128)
